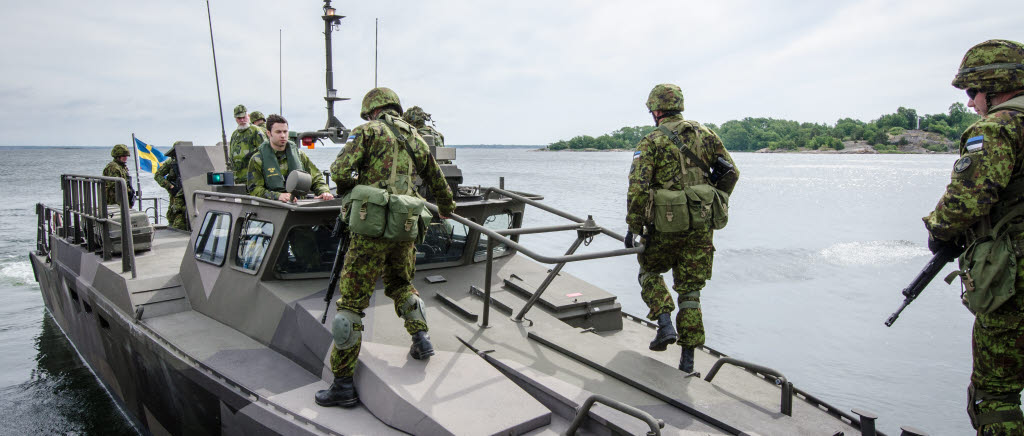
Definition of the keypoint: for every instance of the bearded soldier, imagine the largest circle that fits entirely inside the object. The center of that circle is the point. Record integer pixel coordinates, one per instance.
(981, 208)
(675, 161)
(387, 153)
(245, 141)
(119, 168)
(169, 178)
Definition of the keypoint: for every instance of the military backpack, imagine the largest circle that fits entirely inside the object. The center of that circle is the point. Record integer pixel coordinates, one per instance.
(698, 206)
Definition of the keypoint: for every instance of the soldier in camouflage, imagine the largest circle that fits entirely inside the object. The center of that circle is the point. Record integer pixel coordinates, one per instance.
(258, 120)
(245, 142)
(368, 160)
(418, 118)
(118, 168)
(275, 159)
(987, 184)
(169, 178)
(688, 254)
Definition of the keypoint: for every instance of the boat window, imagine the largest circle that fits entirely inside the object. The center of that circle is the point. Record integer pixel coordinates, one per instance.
(501, 221)
(445, 242)
(308, 249)
(212, 242)
(253, 242)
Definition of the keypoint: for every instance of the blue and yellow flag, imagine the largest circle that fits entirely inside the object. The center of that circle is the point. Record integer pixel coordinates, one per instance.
(149, 157)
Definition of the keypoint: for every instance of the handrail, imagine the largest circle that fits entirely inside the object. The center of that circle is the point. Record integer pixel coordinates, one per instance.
(655, 424)
(85, 199)
(787, 387)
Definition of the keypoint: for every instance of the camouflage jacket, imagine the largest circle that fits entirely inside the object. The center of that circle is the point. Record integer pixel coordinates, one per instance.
(116, 169)
(655, 165)
(165, 177)
(992, 156)
(256, 186)
(429, 130)
(243, 142)
(367, 159)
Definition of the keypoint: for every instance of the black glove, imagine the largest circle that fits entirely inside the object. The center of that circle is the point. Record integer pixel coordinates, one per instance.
(937, 245)
(629, 239)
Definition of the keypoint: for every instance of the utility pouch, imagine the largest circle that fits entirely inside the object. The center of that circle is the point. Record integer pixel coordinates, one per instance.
(670, 211)
(366, 210)
(700, 200)
(424, 224)
(988, 269)
(720, 210)
(403, 217)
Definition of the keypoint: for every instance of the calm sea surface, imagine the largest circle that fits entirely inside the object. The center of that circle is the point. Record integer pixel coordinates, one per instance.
(817, 250)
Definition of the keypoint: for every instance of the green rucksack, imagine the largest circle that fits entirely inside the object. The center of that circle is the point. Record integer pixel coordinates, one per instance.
(988, 268)
(697, 207)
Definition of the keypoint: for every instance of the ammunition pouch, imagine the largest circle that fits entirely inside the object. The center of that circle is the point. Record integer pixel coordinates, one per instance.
(695, 208)
(347, 329)
(373, 212)
(988, 268)
(407, 218)
(978, 418)
(412, 309)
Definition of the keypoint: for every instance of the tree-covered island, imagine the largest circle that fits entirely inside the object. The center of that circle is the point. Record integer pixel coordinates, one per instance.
(890, 133)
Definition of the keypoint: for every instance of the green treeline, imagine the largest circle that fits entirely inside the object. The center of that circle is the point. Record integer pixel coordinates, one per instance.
(750, 134)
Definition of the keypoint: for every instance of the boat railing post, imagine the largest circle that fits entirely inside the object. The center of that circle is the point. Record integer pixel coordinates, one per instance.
(40, 222)
(127, 242)
(547, 281)
(90, 211)
(105, 228)
(487, 282)
(64, 186)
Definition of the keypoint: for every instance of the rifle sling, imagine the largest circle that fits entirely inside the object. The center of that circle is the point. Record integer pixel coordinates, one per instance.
(686, 150)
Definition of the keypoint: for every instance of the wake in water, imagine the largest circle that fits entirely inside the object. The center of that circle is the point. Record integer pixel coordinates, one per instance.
(16, 273)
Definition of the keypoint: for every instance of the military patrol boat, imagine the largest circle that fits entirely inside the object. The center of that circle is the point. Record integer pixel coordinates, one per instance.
(219, 331)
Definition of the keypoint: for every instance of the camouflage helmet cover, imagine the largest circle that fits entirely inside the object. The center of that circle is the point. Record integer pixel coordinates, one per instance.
(240, 111)
(379, 98)
(256, 116)
(665, 97)
(120, 150)
(996, 65)
(416, 116)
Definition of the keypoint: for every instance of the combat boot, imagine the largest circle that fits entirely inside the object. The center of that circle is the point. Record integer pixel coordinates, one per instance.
(686, 360)
(421, 347)
(342, 393)
(666, 333)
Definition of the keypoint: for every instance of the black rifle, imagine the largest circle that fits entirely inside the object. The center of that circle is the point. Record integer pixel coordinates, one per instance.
(176, 184)
(341, 232)
(927, 274)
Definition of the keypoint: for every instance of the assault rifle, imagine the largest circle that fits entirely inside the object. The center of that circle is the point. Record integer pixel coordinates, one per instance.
(341, 232)
(946, 255)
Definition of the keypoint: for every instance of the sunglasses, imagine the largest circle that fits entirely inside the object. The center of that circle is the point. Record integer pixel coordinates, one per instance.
(971, 93)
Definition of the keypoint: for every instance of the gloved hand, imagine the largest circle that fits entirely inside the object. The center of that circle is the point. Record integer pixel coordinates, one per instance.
(937, 245)
(629, 239)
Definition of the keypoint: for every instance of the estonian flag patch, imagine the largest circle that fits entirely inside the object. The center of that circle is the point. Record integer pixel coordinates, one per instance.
(976, 143)
(636, 154)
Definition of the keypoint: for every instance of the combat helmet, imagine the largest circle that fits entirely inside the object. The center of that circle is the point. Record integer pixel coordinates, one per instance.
(120, 150)
(255, 116)
(994, 66)
(665, 97)
(416, 116)
(379, 98)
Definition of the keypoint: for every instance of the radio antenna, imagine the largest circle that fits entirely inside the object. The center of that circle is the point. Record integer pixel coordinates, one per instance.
(220, 106)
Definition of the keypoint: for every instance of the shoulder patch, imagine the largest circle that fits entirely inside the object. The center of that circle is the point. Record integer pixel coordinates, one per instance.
(963, 164)
(975, 143)
(636, 154)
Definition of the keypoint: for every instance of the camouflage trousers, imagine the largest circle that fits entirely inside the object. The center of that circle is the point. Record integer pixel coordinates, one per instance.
(366, 260)
(689, 256)
(998, 377)
(177, 213)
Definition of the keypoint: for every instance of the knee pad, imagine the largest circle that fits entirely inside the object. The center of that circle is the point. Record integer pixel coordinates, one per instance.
(412, 309)
(689, 300)
(347, 329)
(644, 275)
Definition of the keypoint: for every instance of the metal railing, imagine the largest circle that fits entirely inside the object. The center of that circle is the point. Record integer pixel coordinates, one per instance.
(155, 208)
(655, 424)
(85, 210)
(786, 406)
(586, 229)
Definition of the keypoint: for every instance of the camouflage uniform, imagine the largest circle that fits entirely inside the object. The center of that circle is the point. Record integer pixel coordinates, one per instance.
(688, 254)
(255, 116)
(256, 185)
(369, 155)
(991, 159)
(166, 176)
(244, 144)
(418, 118)
(116, 168)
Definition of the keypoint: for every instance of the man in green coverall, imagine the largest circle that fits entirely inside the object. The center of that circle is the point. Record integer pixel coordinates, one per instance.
(245, 142)
(118, 168)
(169, 178)
(988, 184)
(372, 156)
(275, 159)
(658, 163)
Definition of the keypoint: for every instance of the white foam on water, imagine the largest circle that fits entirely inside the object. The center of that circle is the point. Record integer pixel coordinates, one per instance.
(16, 273)
(872, 253)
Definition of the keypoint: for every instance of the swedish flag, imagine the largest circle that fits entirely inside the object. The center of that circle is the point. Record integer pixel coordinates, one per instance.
(149, 157)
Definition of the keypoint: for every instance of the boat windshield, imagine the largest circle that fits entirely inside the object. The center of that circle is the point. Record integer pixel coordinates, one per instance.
(307, 249)
(445, 242)
(501, 221)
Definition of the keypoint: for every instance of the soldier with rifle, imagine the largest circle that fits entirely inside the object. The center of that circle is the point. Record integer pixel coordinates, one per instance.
(169, 178)
(980, 214)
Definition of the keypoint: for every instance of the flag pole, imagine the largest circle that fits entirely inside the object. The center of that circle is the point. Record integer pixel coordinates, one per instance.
(138, 181)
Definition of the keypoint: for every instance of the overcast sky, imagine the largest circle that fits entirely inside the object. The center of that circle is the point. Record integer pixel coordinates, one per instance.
(516, 72)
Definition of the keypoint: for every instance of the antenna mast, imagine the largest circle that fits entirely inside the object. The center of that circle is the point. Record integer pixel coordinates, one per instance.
(280, 75)
(220, 106)
(376, 31)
